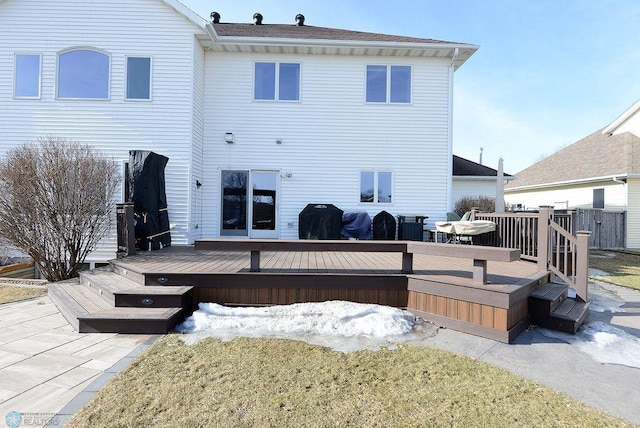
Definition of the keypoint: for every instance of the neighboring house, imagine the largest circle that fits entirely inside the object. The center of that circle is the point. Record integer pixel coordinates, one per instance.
(257, 120)
(600, 171)
(474, 179)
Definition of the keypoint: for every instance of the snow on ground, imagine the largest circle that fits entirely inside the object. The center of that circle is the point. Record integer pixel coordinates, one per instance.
(600, 340)
(339, 325)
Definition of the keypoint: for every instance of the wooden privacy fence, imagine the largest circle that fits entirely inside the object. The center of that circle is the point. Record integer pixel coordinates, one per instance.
(608, 228)
(547, 238)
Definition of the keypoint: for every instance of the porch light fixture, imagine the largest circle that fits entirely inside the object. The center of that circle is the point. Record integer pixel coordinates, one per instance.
(228, 138)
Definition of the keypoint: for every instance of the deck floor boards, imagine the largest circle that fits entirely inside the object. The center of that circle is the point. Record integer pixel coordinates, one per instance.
(184, 259)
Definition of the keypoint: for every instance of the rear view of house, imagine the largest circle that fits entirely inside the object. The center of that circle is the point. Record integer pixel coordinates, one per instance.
(257, 119)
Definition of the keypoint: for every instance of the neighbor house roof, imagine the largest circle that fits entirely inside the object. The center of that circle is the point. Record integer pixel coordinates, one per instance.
(465, 168)
(595, 157)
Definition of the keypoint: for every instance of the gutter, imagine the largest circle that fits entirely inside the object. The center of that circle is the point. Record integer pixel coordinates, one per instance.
(616, 178)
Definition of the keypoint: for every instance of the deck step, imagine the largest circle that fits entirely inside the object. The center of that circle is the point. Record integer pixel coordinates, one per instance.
(550, 308)
(88, 313)
(548, 297)
(122, 292)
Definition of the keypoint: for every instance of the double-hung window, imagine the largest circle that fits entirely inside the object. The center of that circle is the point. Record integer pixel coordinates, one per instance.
(376, 187)
(388, 84)
(138, 78)
(276, 81)
(27, 76)
(83, 74)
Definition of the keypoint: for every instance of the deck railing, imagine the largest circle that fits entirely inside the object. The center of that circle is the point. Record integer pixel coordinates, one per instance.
(547, 238)
(125, 229)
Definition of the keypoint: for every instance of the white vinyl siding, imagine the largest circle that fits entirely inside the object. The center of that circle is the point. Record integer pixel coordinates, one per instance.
(473, 188)
(571, 196)
(330, 137)
(165, 125)
(195, 186)
(633, 213)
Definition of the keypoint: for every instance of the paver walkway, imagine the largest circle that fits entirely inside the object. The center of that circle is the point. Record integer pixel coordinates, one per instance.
(44, 363)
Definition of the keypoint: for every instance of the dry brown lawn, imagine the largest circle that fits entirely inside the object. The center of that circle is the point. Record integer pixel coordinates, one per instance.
(282, 383)
(623, 268)
(12, 293)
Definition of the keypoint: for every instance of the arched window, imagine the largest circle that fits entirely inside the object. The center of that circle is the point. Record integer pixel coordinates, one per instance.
(83, 74)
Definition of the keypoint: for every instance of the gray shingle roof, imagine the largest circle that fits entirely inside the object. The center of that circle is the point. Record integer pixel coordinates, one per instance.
(465, 167)
(596, 155)
(288, 31)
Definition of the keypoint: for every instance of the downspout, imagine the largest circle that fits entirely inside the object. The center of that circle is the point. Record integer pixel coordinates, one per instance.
(617, 180)
(450, 125)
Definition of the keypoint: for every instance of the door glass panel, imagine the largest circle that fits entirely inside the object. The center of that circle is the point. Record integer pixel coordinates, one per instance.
(234, 202)
(264, 200)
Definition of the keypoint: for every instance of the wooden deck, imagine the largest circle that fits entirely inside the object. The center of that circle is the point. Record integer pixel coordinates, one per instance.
(440, 289)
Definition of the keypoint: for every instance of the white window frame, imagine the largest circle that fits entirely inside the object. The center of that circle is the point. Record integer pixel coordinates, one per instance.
(375, 187)
(277, 82)
(83, 48)
(388, 84)
(126, 78)
(15, 76)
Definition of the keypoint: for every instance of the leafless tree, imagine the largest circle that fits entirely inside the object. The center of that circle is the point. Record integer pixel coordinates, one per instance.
(56, 202)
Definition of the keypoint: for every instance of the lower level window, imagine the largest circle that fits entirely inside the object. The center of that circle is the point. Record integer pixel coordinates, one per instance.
(376, 186)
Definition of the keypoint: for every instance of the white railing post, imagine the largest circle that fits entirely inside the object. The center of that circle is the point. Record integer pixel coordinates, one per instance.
(582, 265)
(544, 236)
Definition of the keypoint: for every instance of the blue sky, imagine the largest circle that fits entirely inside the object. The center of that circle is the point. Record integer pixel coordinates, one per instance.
(548, 72)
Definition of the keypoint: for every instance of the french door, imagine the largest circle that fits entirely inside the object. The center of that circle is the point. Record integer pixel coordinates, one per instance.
(249, 203)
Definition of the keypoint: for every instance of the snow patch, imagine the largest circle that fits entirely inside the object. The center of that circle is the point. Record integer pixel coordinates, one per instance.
(339, 325)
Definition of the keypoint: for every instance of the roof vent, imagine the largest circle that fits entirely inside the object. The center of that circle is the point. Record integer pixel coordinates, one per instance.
(299, 20)
(257, 19)
(215, 17)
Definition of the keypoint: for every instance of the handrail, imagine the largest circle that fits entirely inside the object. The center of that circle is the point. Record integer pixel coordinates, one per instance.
(547, 238)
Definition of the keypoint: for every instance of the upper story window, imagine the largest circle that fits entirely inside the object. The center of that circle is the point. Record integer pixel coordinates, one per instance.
(83, 74)
(388, 84)
(276, 81)
(27, 76)
(376, 186)
(138, 78)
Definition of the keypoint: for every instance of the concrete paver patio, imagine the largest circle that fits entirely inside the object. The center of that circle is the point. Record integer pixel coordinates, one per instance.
(45, 364)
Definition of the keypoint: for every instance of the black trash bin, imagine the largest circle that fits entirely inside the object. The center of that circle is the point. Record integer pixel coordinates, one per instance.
(411, 228)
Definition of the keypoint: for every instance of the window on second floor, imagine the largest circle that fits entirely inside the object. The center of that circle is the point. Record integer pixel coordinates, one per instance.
(27, 76)
(376, 187)
(388, 84)
(276, 81)
(138, 78)
(83, 74)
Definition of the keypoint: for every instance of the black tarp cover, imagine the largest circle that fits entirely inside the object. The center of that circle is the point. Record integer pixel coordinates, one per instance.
(320, 221)
(147, 192)
(356, 224)
(384, 226)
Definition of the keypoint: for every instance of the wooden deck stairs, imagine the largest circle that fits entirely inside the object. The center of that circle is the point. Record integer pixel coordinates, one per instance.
(103, 301)
(550, 307)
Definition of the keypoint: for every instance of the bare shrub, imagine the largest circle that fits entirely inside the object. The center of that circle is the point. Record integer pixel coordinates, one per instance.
(56, 202)
(483, 203)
